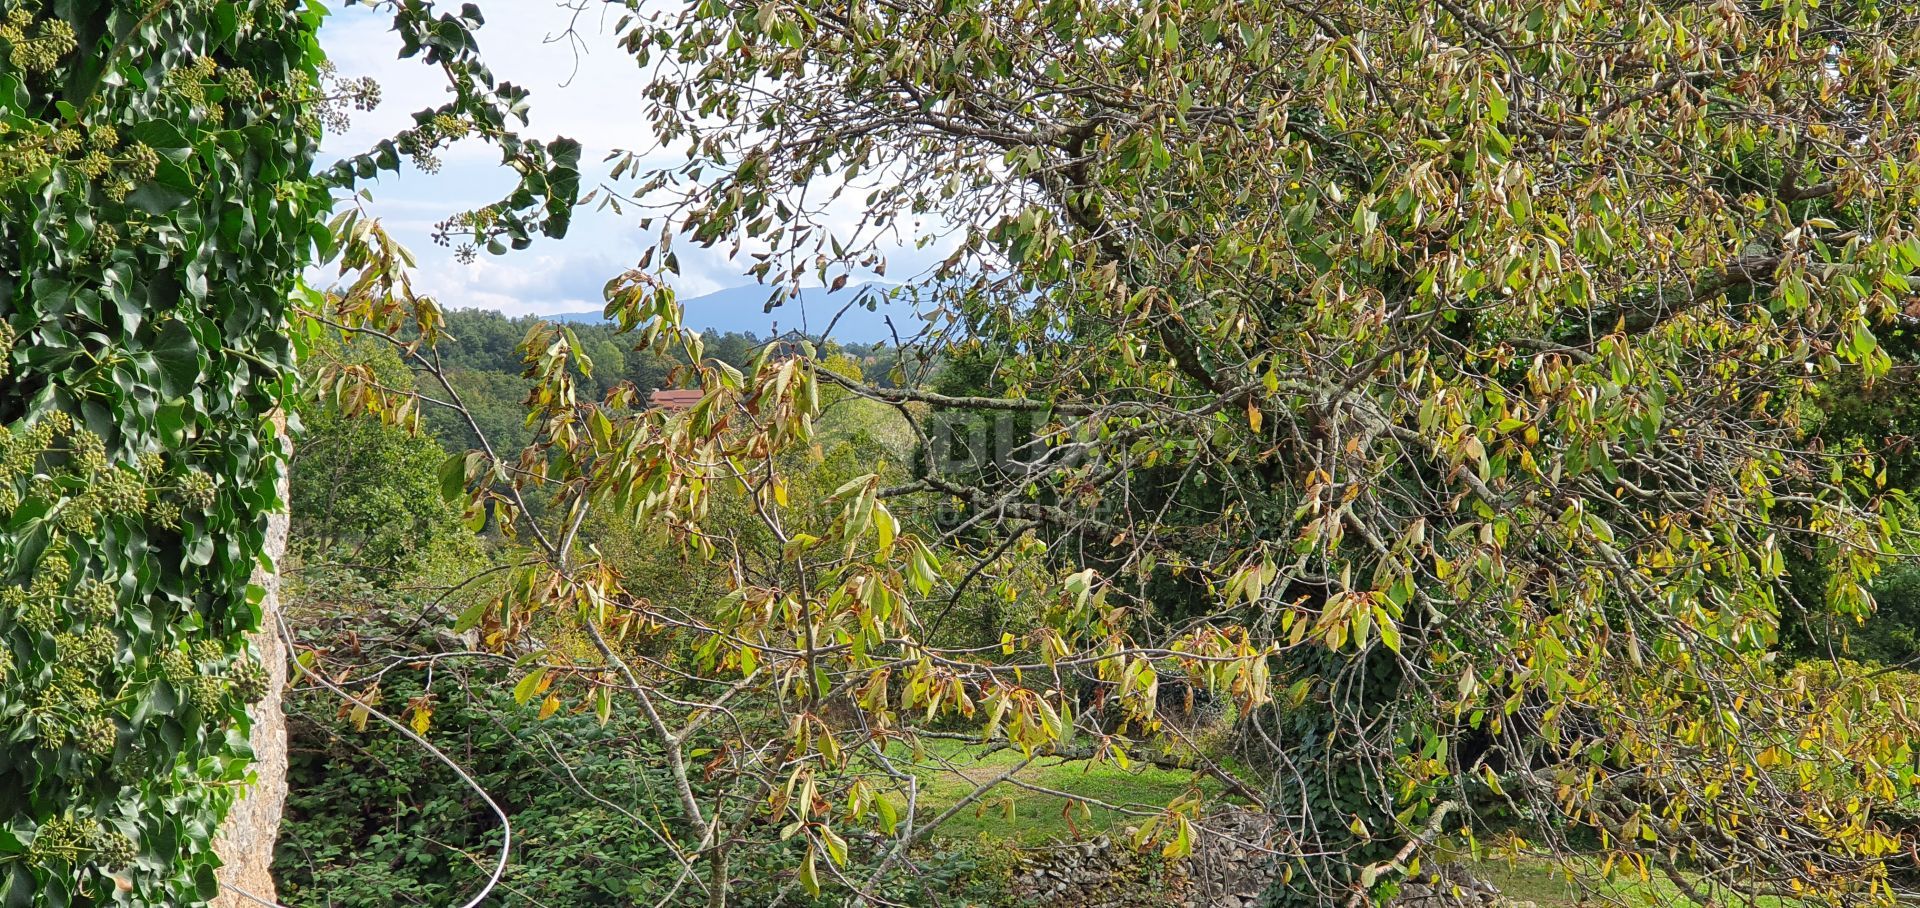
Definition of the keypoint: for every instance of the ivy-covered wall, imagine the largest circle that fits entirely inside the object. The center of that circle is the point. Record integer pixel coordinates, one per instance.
(156, 208)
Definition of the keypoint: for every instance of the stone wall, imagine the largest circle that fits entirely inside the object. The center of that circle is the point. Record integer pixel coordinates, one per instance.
(1231, 865)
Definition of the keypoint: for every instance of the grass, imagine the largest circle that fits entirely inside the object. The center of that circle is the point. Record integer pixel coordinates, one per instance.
(1538, 880)
(950, 770)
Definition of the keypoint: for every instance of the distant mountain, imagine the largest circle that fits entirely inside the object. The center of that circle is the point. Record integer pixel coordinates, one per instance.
(743, 309)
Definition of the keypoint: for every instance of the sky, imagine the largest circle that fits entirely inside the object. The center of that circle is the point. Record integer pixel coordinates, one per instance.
(588, 91)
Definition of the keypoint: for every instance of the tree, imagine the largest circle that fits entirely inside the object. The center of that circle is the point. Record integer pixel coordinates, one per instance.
(1484, 328)
(1428, 377)
(367, 492)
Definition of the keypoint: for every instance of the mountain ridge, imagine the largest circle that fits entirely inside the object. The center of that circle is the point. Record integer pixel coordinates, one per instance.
(744, 309)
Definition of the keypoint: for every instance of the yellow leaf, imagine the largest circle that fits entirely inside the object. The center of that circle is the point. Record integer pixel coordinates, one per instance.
(1181, 844)
(529, 685)
(884, 527)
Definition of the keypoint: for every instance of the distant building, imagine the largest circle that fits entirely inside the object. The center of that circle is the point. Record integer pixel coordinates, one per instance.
(674, 401)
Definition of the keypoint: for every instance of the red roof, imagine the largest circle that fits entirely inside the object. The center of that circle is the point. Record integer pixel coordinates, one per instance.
(675, 400)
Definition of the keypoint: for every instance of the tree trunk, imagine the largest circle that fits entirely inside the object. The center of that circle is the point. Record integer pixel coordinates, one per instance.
(246, 840)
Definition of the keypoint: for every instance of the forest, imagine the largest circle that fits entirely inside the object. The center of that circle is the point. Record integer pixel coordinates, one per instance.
(1414, 453)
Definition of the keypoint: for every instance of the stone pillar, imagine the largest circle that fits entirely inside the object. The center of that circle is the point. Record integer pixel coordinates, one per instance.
(246, 840)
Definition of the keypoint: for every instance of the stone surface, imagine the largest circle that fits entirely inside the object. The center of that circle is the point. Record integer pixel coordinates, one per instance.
(246, 840)
(1232, 864)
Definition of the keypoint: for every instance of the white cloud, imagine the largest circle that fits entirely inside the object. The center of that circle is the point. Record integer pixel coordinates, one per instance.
(583, 87)
(580, 81)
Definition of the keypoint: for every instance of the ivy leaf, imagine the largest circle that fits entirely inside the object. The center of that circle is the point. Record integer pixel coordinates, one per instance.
(20, 886)
(179, 357)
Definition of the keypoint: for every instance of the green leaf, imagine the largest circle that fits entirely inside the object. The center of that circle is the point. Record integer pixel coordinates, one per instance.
(836, 846)
(205, 883)
(453, 478)
(884, 528)
(471, 616)
(810, 874)
(20, 886)
(529, 685)
(179, 357)
(1388, 628)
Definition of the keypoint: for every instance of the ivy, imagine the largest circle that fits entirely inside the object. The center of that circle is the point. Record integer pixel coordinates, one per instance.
(155, 170)
(158, 203)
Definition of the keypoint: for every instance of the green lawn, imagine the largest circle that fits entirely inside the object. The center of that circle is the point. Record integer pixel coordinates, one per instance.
(950, 770)
(1537, 880)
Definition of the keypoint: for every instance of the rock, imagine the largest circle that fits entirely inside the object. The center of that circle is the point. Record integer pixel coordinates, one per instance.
(1223, 871)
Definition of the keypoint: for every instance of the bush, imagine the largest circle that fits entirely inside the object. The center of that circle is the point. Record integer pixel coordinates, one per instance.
(373, 821)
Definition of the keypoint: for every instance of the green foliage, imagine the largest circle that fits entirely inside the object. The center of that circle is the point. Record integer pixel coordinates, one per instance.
(156, 207)
(481, 107)
(1892, 635)
(482, 357)
(1452, 361)
(1434, 380)
(950, 770)
(367, 493)
(956, 873)
(656, 566)
(1882, 417)
(371, 824)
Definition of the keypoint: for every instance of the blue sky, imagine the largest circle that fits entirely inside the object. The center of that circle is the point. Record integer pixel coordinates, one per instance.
(576, 93)
(588, 91)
